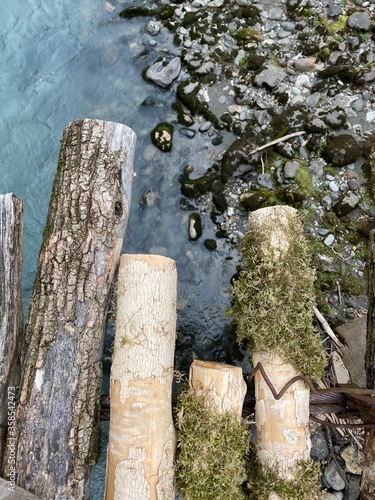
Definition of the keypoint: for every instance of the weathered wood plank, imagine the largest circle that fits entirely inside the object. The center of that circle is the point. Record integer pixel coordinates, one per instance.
(354, 350)
(58, 412)
(10, 492)
(11, 316)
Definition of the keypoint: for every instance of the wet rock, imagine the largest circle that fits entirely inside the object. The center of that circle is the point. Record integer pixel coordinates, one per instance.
(205, 126)
(211, 245)
(360, 21)
(290, 169)
(255, 61)
(192, 188)
(346, 204)
(187, 132)
(152, 27)
(332, 474)
(220, 202)
(162, 136)
(369, 145)
(316, 126)
(342, 150)
(164, 72)
(270, 77)
(253, 200)
(136, 11)
(195, 226)
(248, 34)
(319, 446)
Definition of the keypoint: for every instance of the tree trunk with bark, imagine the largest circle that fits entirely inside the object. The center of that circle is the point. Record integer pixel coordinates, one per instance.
(11, 317)
(58, 411)
(142, 436)
(368, 475)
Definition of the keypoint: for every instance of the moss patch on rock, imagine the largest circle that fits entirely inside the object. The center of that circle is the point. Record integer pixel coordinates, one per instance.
(162, 136)
(211, 451)
(273, 298)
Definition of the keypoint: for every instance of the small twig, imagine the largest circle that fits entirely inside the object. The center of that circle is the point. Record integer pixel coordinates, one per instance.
(276, 141)
(339, 292)
(326, 327)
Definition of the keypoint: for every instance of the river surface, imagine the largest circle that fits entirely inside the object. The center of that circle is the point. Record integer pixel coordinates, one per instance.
(67, 60)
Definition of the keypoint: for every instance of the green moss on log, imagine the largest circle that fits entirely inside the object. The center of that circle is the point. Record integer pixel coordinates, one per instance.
(274, 296)
(211, 451)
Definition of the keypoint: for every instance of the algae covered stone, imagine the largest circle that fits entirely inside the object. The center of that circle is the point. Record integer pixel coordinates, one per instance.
(162, 136)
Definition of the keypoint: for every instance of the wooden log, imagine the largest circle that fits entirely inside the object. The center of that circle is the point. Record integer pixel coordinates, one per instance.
(283, 438)
(58, 412)
(222, 384)
(9, 491)
(142, 436)
(11, 316)
(368, 474)
(273, 300)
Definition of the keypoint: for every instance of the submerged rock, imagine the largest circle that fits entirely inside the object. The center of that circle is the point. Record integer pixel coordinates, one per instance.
(162, 136)
(195, 226)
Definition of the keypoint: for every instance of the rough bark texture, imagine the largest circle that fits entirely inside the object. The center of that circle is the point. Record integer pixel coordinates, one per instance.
(368, 475)
(222, 384)
(11, 316)
(142, 437)
(58, 410)
(10, 492)
(283, 437)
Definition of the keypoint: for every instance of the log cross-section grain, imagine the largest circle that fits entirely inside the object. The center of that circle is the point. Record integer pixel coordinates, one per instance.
(142, 436)
(222, 384)
(58, 411)
(11, 317)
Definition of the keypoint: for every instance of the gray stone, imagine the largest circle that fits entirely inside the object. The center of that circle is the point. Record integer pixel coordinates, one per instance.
(329, 240)
(164, 72)
(265, 180)
(206, 68)
(313, 99)
(276, 13)
(333, 477)
(316, 168)
(152, 27)
(288, 25)
(205, 126)
(290, 169)
(360, 21)
(352, 492)
(222, 99)
(270, 77)
(319, 447)
(283, 34)
(305, 64)
(333, 187)
(346, 204)
(187, 132)
(242, 3)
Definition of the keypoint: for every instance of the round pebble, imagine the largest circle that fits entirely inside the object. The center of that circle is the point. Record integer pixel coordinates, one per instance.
(329, 240)
(333, 187)
(187, 132)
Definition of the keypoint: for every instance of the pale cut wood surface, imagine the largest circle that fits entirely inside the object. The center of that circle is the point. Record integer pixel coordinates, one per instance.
(11, 315)
(353, 351)
(223, 385)
(142, 436)
(58, 412)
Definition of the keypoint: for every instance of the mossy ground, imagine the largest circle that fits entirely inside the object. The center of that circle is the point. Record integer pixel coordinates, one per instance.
(211, 451)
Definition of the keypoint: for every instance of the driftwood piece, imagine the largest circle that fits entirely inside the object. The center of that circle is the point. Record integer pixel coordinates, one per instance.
(223, 385)
(368, 475)
(142, 436)
(353, 351)
(11, 316)
(58, 412)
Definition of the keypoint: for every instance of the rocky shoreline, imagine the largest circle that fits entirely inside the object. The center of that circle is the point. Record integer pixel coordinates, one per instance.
(282, 93)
